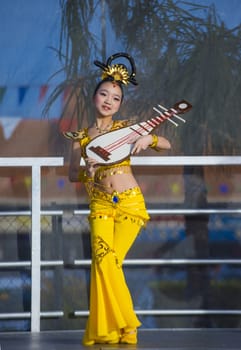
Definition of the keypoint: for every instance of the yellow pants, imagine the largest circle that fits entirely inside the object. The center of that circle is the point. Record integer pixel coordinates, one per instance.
(115, 221)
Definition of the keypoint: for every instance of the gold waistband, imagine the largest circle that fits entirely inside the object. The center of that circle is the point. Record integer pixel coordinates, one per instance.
(116, 170)
(115, 197)
(128, 204)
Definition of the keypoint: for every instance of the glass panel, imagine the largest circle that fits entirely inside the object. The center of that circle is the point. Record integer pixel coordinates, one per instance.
(15, 188)
(181, 288)
(197, 237)
(190, 186)
(164, 187)
(64, 289)
(15, 246)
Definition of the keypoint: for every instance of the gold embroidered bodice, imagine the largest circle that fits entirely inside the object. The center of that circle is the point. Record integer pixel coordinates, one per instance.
(103, 171)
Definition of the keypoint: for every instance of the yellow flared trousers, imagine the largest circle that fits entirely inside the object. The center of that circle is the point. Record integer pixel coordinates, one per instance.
(115, 221)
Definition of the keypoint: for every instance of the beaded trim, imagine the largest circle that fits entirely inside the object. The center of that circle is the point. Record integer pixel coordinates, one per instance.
(121, 217)
(118, 170)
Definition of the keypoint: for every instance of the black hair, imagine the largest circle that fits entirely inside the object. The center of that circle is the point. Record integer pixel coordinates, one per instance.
(109, 80)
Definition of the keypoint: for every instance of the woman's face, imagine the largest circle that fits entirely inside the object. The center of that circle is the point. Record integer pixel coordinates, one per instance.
(107, 99)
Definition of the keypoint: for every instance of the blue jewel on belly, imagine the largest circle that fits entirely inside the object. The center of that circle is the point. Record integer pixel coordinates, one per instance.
(115, 198)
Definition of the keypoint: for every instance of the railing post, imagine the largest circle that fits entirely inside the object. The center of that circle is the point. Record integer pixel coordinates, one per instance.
(36, 248)
(36, 165)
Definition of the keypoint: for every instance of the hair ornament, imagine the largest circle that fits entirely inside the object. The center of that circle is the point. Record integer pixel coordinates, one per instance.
(118, 72)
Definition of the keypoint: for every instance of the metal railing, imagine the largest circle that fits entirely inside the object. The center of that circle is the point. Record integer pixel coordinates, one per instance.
(36, 164)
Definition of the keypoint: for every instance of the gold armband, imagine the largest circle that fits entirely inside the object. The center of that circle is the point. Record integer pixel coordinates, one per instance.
(83, 177)
(154, 141)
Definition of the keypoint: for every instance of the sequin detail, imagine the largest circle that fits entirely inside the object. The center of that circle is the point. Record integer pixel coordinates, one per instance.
(101, 249)
(104, 171)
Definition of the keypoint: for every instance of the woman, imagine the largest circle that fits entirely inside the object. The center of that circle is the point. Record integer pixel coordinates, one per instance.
(117, 213)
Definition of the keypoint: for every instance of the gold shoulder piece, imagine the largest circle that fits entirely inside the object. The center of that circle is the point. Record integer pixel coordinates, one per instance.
(74, 135)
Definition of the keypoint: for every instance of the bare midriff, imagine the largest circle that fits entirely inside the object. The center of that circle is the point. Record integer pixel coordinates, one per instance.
(118, 178)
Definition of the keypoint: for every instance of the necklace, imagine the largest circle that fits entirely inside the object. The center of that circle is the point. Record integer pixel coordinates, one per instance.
(108, 127)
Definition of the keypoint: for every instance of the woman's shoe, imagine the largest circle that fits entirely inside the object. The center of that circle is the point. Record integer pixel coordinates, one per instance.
(129, 337)
(112, 341)
(111, 338)
(87, 342)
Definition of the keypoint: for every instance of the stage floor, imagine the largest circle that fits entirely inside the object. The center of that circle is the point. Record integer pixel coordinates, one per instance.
(172, 339)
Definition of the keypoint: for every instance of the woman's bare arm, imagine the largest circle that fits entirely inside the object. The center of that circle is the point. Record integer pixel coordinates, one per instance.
(143, 142)
(74, 167)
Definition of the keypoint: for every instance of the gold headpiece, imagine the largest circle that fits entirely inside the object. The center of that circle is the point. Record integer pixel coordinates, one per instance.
(118, 72)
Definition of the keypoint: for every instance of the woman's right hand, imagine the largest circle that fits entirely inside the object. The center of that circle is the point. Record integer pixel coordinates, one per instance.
(91, 167)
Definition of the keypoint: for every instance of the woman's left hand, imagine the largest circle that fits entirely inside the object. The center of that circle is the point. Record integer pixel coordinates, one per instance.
(142, 143)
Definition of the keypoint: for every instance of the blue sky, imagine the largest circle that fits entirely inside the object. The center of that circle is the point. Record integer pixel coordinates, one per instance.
(28, 28)
(228, 10)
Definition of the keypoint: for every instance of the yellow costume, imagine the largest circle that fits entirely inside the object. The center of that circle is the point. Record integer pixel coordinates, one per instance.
(115, 221)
